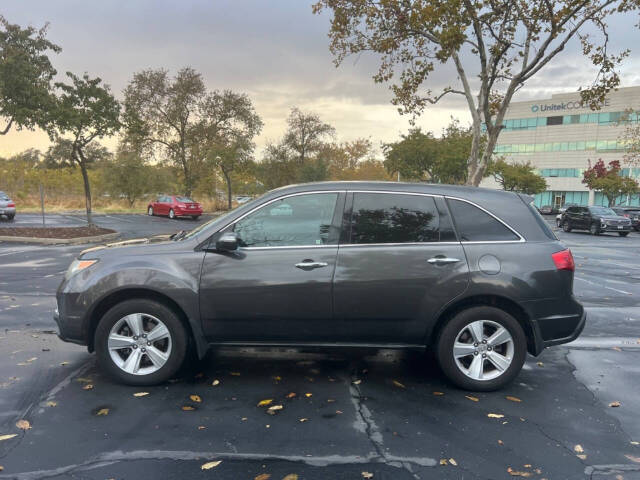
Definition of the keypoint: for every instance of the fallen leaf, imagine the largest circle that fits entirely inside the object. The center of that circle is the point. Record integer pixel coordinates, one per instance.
(540, 364)
(215, 383)
(308, 395)
(630, 457)
(438, 394)
(277, 378)
(291, 476)
(88, 386)
(495, 415)
(634, 443)
(187, 408)
(141, 394)
(263, 476)
(338, 412)
(528, 465)
(64, 364)
(614, 404)
(1, 468)
(304, 420)
(33, 359)
(357, 382)
(398, 384)
(51, 404)
(582, 456)
(83, 380)
(500, 442)
(444, 461)
(272, 410)
(202, 427)
(291, 395)
(267, 401)
(513, 399)
(453, 462)
(473, 399)
(102, 412)
(515, 473)
(578, 449)
(23, 425)
(367, 475)
(210, 465)
(7, 437)
(195, 398)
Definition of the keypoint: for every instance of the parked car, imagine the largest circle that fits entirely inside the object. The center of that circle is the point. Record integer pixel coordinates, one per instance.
(595, 219)
(174, 206)
(240, 199)
(547, 210)
(475, 274)
(564, 206)
(7, 206)
(632, 213)
(559, 220)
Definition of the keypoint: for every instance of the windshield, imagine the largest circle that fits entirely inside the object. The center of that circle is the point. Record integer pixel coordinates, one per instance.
(602, 211)
(184, 199)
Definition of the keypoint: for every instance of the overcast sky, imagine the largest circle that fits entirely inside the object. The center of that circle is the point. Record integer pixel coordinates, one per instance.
(276, 51)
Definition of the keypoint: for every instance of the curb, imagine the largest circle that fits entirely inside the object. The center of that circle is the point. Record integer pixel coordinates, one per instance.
(61, 241)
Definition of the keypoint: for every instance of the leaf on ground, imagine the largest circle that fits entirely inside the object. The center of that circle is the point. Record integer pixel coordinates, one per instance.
(367, 475)
(302, 420)
(102, 412)
(438, 394)
(215, 383)
(141, 394)
(32, 359)
(515, 473)
(291, 395)
(83, 380)
(210, 465)
(398, 384)
(202, 427)
(578, 449)
(263, 476)
(1, 468)
(195, 398)
(614, 404)
(88, 386)
(444, 461)
(495, 415)
(633, 459)
(473, 399)
(308, 395)
(540, 364)
(266, 401)
(513, 399)
(272, 410)
(338, 412)
(453, 462)
(581, 456)
(23, 424)
(277, 378)
(357, 382)
(291, 476)
(64, 364)
(500, 442)
(634, 443)
(51, 404)
(187, 408)
(7, 437)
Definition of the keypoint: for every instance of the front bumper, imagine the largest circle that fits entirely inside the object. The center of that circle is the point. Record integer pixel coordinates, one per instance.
(615, 228)
(69, 327)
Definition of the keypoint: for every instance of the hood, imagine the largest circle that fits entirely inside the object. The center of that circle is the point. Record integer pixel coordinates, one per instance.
(612, 217)
(156, 239)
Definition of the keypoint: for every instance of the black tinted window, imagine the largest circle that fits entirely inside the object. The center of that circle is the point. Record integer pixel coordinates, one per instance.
(393, 218)
(475, 225)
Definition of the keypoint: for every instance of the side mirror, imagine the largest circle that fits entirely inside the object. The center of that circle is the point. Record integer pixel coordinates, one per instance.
(228, 242)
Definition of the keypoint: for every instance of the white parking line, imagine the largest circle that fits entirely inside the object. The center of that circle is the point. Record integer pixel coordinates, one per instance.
(603, 286)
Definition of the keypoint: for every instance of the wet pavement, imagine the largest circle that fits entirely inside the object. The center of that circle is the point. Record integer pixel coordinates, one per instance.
(344, 413)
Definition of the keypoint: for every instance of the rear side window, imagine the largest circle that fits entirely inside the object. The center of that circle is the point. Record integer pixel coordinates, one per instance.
(475, 225)
(394, 218)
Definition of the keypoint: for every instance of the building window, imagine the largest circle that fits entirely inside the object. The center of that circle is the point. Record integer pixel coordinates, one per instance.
(554, 120)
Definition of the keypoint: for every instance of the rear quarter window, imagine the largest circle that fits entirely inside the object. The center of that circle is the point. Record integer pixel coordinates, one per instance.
(476, 225)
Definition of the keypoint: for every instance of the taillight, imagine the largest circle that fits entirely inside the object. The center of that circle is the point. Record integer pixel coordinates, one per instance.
(626, 215)
(11, 204)
(564, 260)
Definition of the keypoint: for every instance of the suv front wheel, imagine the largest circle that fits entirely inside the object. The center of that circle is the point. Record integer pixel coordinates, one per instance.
(566, 226)
(481, 348)
(140, 342)
(594, 229)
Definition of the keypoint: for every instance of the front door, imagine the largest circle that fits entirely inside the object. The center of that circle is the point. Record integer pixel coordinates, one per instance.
(400, 264)
(277, 287)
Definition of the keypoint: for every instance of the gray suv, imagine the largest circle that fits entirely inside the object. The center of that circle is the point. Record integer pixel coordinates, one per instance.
(475, 274)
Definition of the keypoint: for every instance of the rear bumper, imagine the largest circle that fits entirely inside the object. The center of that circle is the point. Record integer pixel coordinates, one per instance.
(187, 212)
(7, 210)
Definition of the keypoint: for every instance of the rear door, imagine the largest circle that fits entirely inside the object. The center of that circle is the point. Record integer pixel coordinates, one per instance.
(399, 263)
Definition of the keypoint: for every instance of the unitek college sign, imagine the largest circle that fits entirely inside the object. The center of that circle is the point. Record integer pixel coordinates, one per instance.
(570, 105)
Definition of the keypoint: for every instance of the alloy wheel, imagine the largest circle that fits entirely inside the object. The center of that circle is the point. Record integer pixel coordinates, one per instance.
(139, 344)
(483, 350)
(150, 211)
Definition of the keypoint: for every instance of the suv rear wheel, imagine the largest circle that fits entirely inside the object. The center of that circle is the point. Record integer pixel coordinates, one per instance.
(140, 342)
(566, 226)
(481, 348)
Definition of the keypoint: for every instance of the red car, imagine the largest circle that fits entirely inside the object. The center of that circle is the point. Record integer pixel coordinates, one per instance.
(175, 206)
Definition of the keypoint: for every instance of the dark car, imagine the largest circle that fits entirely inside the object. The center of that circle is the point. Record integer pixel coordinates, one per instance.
(475, 274)
(547, 210)
(596, 220)
(7, 206)
(632, 213)
(174, 206)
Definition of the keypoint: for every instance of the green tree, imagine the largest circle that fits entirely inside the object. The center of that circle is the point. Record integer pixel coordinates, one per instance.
(494, 47)
(128, 176)
(25, 76)
(85, 112)
(306, 134)
(277, 167)
(517, 177)
(230, 159)
(609, 181)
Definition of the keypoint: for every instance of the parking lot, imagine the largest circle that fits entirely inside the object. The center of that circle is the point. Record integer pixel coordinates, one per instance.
(344, 415)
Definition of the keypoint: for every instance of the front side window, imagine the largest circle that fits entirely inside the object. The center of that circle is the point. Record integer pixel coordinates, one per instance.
(394, 218)
(300, 220)
(475, 225)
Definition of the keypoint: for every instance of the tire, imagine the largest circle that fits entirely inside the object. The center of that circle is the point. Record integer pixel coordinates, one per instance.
(150, 211)
(566, 226)
(10, 217)
(172, 214)
(149, 373)
(558, 223)
(195, 217)
(623, 234)
(594, 229)
(457, 329)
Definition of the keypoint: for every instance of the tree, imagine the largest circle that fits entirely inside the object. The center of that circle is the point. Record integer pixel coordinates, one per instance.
(230, 159)
(129, 176)
(60, 154)
(277, 168)
(25, 76)
(422, 156)
(305, 134)
(494, 47)
(609, 181)
(177, 119)
(517, 177)
(85, 111)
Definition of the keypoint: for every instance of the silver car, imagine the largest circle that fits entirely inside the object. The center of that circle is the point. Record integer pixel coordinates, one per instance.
(7, 206)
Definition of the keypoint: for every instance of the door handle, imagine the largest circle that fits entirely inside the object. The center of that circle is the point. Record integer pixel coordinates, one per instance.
(442, 260)
(310, 265)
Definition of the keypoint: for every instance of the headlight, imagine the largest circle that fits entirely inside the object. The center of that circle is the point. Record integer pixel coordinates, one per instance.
(77, 265)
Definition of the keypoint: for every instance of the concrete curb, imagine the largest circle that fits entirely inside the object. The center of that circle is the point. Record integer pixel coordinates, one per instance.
(61, 241)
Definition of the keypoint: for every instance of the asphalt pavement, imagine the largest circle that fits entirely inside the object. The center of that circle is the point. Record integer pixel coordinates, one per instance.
(346, 414)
